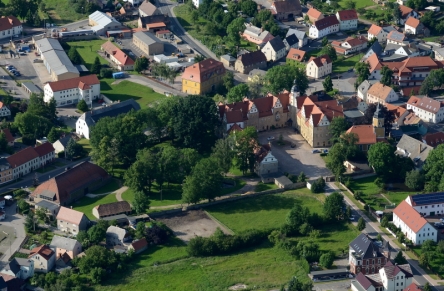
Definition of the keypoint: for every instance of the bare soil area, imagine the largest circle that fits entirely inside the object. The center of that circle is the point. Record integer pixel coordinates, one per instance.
(192, 223)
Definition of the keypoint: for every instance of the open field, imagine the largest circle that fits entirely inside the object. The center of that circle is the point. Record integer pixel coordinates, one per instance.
(62, 12)
(112, 186)
(264, 267)
(263, 212)
(86, 204)
(128, 90)
(345, 64)
(88, 51)
(359, 3)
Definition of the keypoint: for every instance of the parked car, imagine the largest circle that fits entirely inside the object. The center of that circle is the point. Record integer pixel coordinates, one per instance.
(270, 138)
(17, 74)
(352, 217)
(315, 151)
(325, 151)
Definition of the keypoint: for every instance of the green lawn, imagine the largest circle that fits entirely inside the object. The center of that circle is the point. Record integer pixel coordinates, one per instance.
(86, 204)
(85, 144)
(128, 90)
(260, 268)
(88, 51)
(112, 186)
(262, 187)
(263, 212)
(436, 262)
(344, 65)
(239, 184)
(359, 3)
(62, 12)
(184, 18)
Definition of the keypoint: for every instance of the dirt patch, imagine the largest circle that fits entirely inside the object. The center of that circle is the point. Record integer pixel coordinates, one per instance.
(190, 224)
(238, 287)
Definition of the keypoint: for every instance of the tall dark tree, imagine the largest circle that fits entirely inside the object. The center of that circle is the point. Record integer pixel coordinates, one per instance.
(362, 69)
(245, 141)
(434, 170)
(361, 224)
(337, 127)
(386, 76)
(334, 206)
(74, 55)
(141, 64)
(381, 157)
(327, 84)
(142, 173)
(53, 135)
(96, 66)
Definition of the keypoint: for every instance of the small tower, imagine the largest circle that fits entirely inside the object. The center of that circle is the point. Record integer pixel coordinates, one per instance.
(294, 94)
(378, 122)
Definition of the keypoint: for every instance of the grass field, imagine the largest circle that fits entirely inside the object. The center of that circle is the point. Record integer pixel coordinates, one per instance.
(128, 90)
(262, 187)
(112, 186)
(359, 3)
(263, 267)
(263, 212)
(62, 12)
(344, 65)
(85, 144)
(88, 51)
(86, 204)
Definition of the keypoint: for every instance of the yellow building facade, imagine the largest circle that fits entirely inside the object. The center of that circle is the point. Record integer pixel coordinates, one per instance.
(203, 77)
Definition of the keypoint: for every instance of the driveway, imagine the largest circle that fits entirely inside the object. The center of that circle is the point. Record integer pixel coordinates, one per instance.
(13, 225)
(298, 159)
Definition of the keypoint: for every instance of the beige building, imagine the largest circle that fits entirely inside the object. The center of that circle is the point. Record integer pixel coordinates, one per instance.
(44, 259)
(378, 93)
(314, 15)
(319, 67)
(63, 245)
(250, 61)
(274, 49)
(148, 43)
(71, 221)
(266, 163)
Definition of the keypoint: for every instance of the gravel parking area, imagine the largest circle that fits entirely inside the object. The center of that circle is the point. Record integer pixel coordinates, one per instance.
(297, 159)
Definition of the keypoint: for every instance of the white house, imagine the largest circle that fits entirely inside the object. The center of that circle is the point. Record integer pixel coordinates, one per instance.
(274, 49)
(389, 278)
(318, 67)
(10, 26)
(90, 118)
(266, 163)
(406, 13)
(30, 159)
(429, 204)
(362, 90)
(348, 19)
(378, 93)
(43, 257)
(350, 45)
(323, 27)
(413, 26)
(19, 268)
(428, 109)
(413, 224)
(71, 91)
(4, 111)
(302, 37)
(379, 32)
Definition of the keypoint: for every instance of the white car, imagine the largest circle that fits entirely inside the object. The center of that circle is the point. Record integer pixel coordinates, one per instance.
(270, 138)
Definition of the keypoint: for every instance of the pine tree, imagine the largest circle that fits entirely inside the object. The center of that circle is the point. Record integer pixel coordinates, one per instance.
(95, 68)
(82, 106)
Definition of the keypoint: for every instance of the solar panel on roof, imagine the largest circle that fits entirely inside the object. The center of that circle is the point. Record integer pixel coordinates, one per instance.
(430, 198)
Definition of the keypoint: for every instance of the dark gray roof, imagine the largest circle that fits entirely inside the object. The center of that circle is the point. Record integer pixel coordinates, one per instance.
(64, 140)
(14, 265)
(31, 87)
(353, 113)
(292, 39)
(429, 198)
(277, 44)
(329, 272)
(3, 283)
(113, 110)
(365, 247)
(81, 68)
(299, 34)
(414, 149)
(48, 205)
(388, 28)
(376, 48)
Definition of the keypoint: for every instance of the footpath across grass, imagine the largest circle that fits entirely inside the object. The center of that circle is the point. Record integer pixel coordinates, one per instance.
(128, 90)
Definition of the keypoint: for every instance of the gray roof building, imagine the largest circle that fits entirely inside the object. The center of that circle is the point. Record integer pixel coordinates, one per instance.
(48, 44)
(277, 44)
(147, 37)
(50, 207)
(414, 149)
(115, 109)
(376, 48)
(68, 244)
(101, 22)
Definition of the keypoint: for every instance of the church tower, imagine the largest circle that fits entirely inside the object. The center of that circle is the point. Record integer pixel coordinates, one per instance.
(294, 95)
(378, 122)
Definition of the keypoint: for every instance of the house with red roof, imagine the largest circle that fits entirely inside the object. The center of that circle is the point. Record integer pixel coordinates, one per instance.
(406, 13)
(71, 91)
(366, 136)
(389, 278)
(10, 26)
(30, 159)
(426, 108)
(265, 163)
(350, 45)
(413, 224)
(414, 26)
(138, 246)
(318, 67)
(413, 287)
(433, 139)
(323, 27)
(203, 77)
(314, 15)
(120, 59)
(44, 259)
(348, 19)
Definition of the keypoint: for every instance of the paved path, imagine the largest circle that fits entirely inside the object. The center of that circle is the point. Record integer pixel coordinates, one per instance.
(119, 193)
(420, 276)
(156, 86)
(15, 221)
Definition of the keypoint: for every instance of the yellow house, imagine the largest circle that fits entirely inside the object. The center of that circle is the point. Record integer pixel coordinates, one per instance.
(202, 77)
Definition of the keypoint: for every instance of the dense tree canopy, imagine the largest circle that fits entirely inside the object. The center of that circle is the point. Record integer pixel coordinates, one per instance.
(280, 78)
(381, 157)
(434, 170)
(237, 93)
(334, 206)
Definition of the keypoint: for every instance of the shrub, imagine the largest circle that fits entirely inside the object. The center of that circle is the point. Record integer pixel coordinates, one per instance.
(156, 235)
(28, 139)
(106, 73)
(326, 260)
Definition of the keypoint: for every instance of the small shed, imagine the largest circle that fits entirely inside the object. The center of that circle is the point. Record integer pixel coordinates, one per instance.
(227, 60)
(283, 182)
(164, 34)
(31, 88)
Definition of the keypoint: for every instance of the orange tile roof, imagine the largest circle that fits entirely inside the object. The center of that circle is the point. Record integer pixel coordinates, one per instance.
(356, 41)
(374, 29)
(405, 10)
(374, 62)
(83, 82)
(398, 111)
(413, 22)
(410, 216)
(43, 251)
(312, 12)
(70, 215)
(366, 134)
(117, 53)
(204, 70)
(295, 54)
(380, 91)
(156, 25)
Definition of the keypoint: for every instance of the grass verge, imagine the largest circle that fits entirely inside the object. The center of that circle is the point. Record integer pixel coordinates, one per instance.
(111, 186)
(263, 187)
(87, 204)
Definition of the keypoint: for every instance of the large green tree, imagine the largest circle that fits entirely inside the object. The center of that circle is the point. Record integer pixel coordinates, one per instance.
(245, 142)
(362, 69)
(74, 56)
(141, 202)
(434, 170)
(234, 29)
(106, 154)
(337, 127)
(249, 7)
(334, 206)
(381, 157)
(53, 135)
(386, 76)
(361, 224)
(31, 124)
(329, 51)
(142, 173)
(141, 64)
(280, 78)
(237, 93)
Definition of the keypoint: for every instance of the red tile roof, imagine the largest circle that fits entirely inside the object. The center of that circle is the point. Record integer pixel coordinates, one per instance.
(426, 103)
(117, 53)
(347, 15)
(8, 22)
(374, 29)
(405, 10)
(80, 82)
(203, 70)
(356, 41)
(374, 62)
(284, 6)
(413, 287)
(139, 244)
(44, 149)
(365, 133)
(295, 54)
(234, 128)
(434, 139)
(312, 12)
(413, 22)
(316, 110)
(8, 134)
(321, 60)
(22, 157)
(43, 250)
(156, 25)
(261, 152)
(326, 22)
(70, 215)
(410, 216)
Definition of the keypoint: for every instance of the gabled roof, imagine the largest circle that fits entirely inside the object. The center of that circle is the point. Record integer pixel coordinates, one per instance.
(363, 87)
(326, 22)
(299, 34)
(363, 281)
(345, 15)
(380, 91)
(312, 12)
(374, 62)
(70, 215)
(434, 139)
(117, 53)
(291, 40)
(8, 22)
(83, 82)
(139, 244)
(410, 216)
(426, 103)
(374, 29)
(148, 8)
(113, 208)
(413, 287)
(44, 251)
(256, 32)
(261, 152)
(113, 110)
(147, 37)
(365, 247)
(286, 6)
(252, 58)
(392, 270)
(44, 149)
(396, 36)
(203, 71)
(277, 44)
(356, 41)
(320, 61)
(412, 148)
(295, 54)
(413, 22)
(405, 11)
(22, 157)
(365, 133)
(64, 243)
